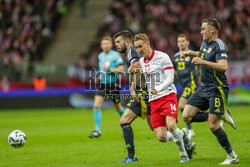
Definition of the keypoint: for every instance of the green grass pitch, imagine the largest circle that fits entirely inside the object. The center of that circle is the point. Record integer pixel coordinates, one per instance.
(58, 138)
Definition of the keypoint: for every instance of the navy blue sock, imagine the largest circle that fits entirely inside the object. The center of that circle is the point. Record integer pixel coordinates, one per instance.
(189, 125)
(200, 117)
(128, 136)
(223, 140)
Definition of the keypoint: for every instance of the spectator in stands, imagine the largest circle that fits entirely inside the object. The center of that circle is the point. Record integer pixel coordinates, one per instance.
(162, 20)
(4, 84)
(27, 27)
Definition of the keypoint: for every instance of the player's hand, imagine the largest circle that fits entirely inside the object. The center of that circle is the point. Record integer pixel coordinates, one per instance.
(154, 92)
(133, 94)
(197, 60)
(131, 69)
(138, 70)
(105, 68)
(135, 68)
(184, 54)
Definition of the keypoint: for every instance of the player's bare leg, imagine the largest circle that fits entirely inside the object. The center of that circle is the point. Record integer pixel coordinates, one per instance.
(126, 119)
(128, 116)
(97, 116)
(118, 107)
(98, 101)
(181, 104)
(177, 137)
(161, 134)
(193, 114)
(176, 134)
(214, 126)
(149, 122)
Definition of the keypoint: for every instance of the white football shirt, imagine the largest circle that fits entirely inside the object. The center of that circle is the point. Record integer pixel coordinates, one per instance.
(159, 74)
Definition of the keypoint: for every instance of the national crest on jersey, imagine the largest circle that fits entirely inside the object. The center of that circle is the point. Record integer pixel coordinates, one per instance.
(147, 71)
(209, 50)
(153, 70)
(147, 68)
(187, 58)
(213, 51)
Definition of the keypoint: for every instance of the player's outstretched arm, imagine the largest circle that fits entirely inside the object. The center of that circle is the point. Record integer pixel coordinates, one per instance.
(184, 54)
(119, 69)
(220, 65)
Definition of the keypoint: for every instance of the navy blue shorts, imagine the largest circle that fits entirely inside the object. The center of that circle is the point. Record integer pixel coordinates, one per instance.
(215, 100)
(188, 91)
(142, 108)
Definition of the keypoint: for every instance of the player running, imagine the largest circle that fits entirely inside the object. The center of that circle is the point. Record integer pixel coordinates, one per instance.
(187, 75)
(159, 74)
(213, 92)
(135, 108)
(110, 63)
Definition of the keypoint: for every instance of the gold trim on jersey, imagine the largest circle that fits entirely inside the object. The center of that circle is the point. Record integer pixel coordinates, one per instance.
(143, 104)
(223, 97)
(218, 80)
(193, 84)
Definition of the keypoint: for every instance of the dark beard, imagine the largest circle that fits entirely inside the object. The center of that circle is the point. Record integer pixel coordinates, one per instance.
(123, 49)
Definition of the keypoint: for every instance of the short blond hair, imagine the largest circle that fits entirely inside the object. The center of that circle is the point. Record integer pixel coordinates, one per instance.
(107, 38)
(142, 37)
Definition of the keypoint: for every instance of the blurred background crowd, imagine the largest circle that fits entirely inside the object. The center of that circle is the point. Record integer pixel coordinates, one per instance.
(26, 29)
(49, 48)
(163, 20)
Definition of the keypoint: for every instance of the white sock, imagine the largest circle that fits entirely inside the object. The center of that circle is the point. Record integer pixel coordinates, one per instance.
(169, 136)
(233, 154)
(178, 139)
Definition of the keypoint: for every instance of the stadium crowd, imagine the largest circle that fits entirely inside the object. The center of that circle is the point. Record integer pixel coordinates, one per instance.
(26, 29)
(162, 20)
(28, 26)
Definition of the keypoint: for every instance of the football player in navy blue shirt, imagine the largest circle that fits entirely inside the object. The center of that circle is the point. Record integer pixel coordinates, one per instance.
(187, 75)
(135, 108)
(213, 91)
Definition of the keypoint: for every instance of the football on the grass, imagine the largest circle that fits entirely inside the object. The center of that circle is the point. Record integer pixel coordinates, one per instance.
(17, 139)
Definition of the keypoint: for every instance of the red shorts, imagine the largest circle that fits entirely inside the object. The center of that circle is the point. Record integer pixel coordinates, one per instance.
(162, 107)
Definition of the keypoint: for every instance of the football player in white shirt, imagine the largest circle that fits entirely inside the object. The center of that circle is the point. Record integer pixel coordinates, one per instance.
(159, 73)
